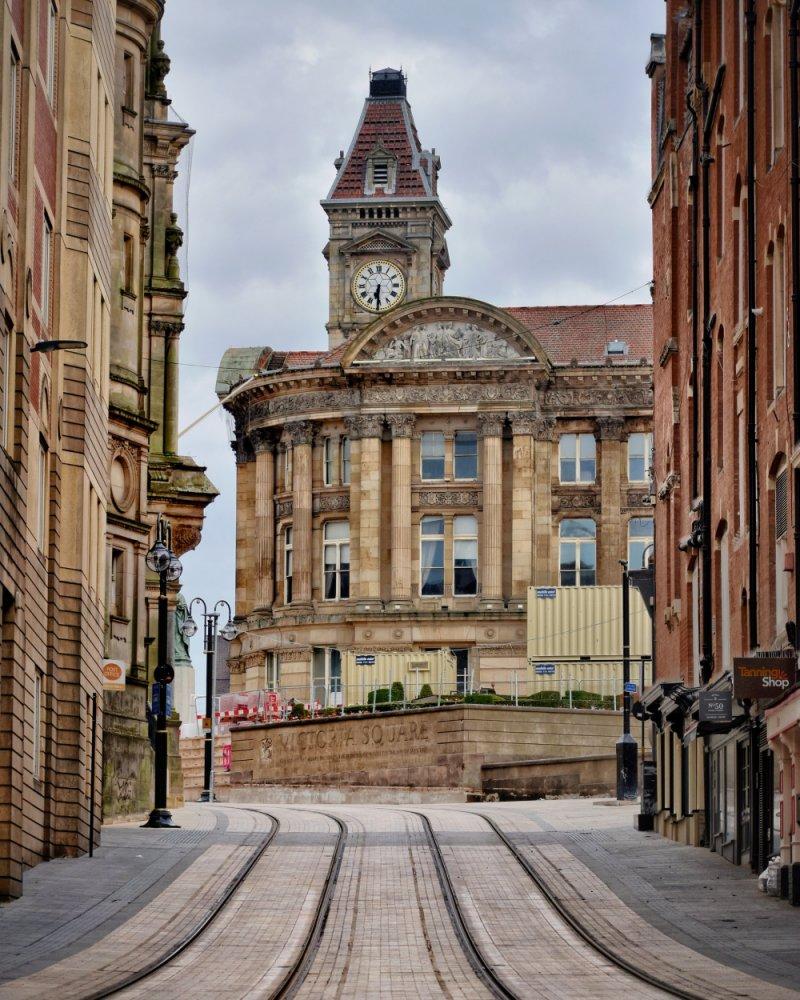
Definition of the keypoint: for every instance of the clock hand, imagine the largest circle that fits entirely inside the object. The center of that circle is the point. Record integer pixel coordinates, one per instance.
(378, 294)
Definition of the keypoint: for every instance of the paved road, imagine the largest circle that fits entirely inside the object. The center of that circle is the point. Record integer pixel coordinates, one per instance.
(400, 902)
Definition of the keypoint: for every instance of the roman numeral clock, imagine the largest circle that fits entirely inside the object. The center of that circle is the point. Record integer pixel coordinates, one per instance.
(378, 286)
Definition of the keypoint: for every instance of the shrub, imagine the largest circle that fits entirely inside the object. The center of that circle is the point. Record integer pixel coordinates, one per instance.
(298, 711)
(378, 696)
(426, 691)
(398, 692)
(485, 699)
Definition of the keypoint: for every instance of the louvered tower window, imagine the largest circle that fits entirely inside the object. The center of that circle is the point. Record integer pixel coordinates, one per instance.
(780, 504)
(380, 174)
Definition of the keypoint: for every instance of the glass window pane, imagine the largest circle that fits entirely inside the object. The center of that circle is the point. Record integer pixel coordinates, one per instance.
(433, 468)
(640, 527)
(578, 527)
(465, 455)
(568, 442)
(344, 582)
(465, 580)
(336, 529)
(330, 585)
(588, 446)
(432, 526)
(567, 470)
(587, 470)
(465, 524)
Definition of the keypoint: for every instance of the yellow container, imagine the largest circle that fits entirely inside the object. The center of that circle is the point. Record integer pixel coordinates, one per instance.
(413, 668)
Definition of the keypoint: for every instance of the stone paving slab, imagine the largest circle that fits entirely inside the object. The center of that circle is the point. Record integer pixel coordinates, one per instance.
(143, 891)
(642, 887)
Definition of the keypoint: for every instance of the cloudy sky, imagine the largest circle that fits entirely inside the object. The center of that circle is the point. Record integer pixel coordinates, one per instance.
(539, 110)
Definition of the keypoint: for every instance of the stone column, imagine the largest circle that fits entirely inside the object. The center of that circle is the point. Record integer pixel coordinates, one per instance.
(522, 425)
(352, 425)
(402, 427)
(264, 444)
(610, 548)
(545, 569)
(490, 430)
(300, 434)
(370, 431)
(245, 483)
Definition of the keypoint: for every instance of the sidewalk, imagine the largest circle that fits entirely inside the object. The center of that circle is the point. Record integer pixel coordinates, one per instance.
(693, 897)
(70, 904)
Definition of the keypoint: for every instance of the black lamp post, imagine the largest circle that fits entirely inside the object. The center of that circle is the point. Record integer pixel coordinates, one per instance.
(162, 561)
(228, 631)
(627, 764)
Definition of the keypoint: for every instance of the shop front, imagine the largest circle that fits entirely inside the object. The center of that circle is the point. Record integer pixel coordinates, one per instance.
(783, 733)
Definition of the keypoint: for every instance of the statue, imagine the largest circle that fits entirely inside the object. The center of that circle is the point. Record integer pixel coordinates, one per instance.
(173, 241)
(181, 656)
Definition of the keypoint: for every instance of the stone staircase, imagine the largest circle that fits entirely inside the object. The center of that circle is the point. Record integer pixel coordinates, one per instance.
(192, 757)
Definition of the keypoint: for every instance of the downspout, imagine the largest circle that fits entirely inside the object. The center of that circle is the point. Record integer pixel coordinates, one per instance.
(709, 321)
(693, 268)
(752, 454)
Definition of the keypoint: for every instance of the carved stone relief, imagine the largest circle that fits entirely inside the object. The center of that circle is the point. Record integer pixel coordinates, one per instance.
(447, 498)
(595, 397)
(284, 508)
(638, 499)
(331, 502)
(401, 424)
(491, 424)
(299, 432)
(295, 655)
(444, 342)
(576, 501)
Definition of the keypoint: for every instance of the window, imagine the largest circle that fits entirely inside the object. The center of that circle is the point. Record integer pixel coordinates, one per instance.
(336, 560)
(774, 43)
(740, 442)
(431, 556)
(326, 678)
(779, 325)
(344, 457)
(41, 508)
(720, 185)
(465, 456)
(272, 675)
(640, 541)
(380, 173)
(432, 455)
(329, 461)
(13, 113)
(288, 563)
(465, 554)
(577, 458)
(781, 548)
(8, 388)
(128, 82)
(287, 469)
(640, 457)
(127, 263)
(36, 763)
(47, 256)
(578, 557)
(616, 348)
(116, 597)
(52, 24)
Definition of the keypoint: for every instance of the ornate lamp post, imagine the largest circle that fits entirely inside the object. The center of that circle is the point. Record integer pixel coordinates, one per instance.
(228, 631)
(162, 561)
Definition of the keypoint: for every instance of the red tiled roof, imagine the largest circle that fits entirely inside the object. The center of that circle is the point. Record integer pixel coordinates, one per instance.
(582, 332)
(388, 122)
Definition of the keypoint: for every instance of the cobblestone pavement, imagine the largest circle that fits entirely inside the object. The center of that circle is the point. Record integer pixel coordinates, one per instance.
(384, 927)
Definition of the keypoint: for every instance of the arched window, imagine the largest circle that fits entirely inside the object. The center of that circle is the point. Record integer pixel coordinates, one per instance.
(720, 398)
(640, 457)
(431, 556)
(774, 41)
(336, 560)
(344, 457)
(720, 186)
(779, 325)
(640, 541)
(577, 458)
(578, 552)
(780, 541)
(739, 251)
(465, 554)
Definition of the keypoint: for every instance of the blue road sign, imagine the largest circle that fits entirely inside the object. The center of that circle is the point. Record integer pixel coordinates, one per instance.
(546, 593)
(365, 660)
(155, 702)
(631, 688)
(545, 668)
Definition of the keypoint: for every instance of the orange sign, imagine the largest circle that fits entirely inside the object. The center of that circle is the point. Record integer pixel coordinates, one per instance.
(113, 675)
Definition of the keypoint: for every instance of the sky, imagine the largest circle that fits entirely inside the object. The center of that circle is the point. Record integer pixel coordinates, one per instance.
(539, 111)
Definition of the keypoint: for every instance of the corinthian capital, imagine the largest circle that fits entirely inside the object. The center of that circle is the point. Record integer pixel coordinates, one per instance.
(610, 428)
(524, 421)
(299, 432)
(365, 426)
(263, 439)
(491, 424)
(401, 424)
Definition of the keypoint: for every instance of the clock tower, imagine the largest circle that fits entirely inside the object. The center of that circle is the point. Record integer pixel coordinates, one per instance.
(387, 225)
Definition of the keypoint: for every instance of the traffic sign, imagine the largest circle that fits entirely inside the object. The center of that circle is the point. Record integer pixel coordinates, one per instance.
(165, 673)
(155, 703)
(365, 660)
(631, 687)
(545, 668)
(546, 593)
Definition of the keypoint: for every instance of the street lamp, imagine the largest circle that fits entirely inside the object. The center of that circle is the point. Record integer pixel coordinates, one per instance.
(627, 778)
(163, 562)
(228, 631)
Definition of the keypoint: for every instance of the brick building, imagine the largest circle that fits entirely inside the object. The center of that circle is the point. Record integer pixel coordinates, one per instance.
(68, 98)
(727, 416)
(399, 492)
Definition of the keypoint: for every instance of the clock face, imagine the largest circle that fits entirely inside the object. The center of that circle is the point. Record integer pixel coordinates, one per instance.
(378, 286)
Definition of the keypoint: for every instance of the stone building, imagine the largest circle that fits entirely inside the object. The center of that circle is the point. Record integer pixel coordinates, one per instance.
(726, 418)
(147, 475)
(55, 234)
(401, 490)
(85, 189)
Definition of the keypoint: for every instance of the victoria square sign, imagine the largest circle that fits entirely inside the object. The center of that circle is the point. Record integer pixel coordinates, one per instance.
(763, 676)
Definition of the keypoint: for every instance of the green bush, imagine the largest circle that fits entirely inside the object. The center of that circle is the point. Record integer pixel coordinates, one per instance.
(378, 696)
(398, 691)
(485, 699)
(542, 699)
(426, 691)
(298, 711)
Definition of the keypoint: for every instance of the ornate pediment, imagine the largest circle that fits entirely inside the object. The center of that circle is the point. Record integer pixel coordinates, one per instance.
(377, 241)
(444, 330)
(446, 341)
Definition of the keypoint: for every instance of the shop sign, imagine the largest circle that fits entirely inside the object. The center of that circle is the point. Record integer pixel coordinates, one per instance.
(113, 675)
(716, 706)
(763, 676)
(365, 660)
(546, 593)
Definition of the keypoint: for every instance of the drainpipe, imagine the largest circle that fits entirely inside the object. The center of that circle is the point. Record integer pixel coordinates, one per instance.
(752, 471)
(693, 268)
(709, 321)
(794, 119)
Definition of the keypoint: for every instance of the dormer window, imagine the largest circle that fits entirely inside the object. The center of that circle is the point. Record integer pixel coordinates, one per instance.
(380, 173)
(616, 349)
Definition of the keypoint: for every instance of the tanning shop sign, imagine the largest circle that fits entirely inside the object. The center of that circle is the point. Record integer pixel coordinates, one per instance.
(763, 676)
